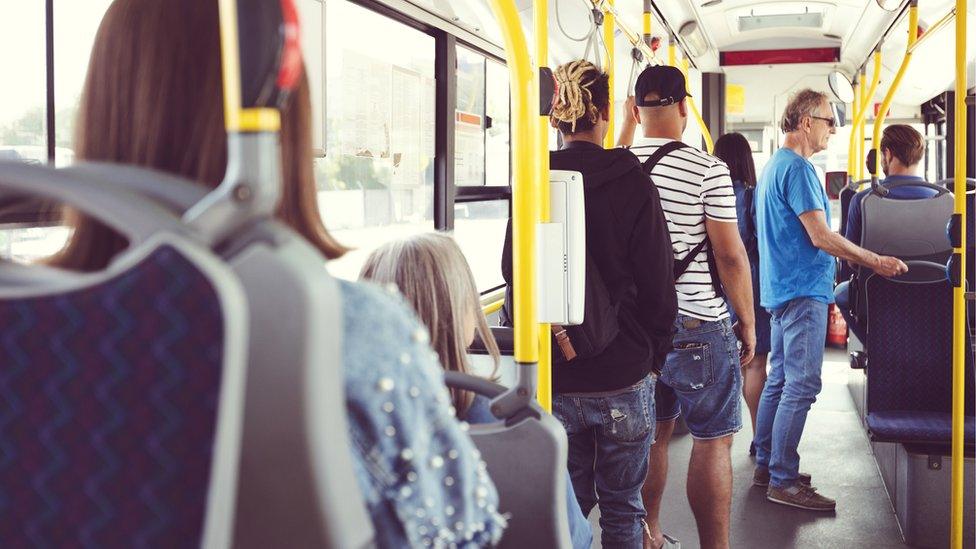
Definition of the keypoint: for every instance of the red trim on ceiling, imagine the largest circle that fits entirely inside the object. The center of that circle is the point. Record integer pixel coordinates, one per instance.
(779, 57)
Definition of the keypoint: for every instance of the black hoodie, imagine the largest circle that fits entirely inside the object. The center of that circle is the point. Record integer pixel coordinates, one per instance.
(627, 239)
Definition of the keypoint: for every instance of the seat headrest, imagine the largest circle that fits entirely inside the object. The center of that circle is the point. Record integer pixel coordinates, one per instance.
(270, 54)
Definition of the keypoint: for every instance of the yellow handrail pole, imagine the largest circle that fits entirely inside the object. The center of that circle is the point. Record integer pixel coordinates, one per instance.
(672, 52)
(852, 148)
(860, 127)
(609, 141)
(883, 113)
(647, 26)
(861, 115)
(525, 191)
(706, 135)
(937, 26)
(958, 297)
(541, 15)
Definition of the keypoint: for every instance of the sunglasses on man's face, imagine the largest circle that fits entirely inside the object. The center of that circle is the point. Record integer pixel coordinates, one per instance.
(830, 121)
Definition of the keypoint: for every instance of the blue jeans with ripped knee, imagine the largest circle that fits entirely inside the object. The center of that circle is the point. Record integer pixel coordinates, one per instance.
(799, 329)
(610, 435)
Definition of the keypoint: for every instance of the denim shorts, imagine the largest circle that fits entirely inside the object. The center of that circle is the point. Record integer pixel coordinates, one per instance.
(701, 379)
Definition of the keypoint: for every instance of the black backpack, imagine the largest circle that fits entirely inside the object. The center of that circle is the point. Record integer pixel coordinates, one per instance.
(681, 265)
(600, 325)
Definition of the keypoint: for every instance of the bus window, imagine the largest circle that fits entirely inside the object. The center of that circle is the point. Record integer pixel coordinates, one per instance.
(469, 140)
(75, 25)
(479, 229)
(376, 180)
(23, 130)
(497, 137)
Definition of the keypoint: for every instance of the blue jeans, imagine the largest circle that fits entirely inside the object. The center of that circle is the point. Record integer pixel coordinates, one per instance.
(842, 296)
(609, 439)
(702, 379)
(798, 332)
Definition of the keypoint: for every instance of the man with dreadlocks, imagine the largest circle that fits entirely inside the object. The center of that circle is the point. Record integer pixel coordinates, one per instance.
(605, 396)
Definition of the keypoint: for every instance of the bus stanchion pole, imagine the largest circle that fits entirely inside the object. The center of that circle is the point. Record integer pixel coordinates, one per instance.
(541, 14)
(959, 349)
(861, 117)
(893, 88)
(861, 126)
(525, 190)
(609, 26)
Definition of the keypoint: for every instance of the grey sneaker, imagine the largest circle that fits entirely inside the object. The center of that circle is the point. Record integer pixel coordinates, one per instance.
(761, 478)
(801, 496)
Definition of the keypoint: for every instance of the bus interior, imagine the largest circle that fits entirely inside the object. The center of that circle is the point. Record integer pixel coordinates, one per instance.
(425, 116)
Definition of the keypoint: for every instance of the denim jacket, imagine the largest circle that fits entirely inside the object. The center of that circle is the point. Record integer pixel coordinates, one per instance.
(422, 478)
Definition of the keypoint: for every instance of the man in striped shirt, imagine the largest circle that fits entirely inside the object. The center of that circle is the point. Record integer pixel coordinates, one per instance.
(701, 377)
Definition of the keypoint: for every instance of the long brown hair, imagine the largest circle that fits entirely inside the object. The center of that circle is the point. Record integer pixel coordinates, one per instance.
(430, 271)
(153, 98)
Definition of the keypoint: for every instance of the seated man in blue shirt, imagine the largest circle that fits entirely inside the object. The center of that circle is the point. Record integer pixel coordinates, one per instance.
(902, 148)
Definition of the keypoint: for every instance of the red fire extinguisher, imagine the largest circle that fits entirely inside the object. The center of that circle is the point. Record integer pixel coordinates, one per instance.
(836, 328)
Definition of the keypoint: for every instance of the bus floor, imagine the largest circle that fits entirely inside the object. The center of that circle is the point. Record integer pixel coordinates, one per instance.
(834, 450)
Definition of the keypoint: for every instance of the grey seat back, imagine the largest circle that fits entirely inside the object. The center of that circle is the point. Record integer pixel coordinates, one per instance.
(908, 229)
(526, 457)
(151, 349)
(911, 230)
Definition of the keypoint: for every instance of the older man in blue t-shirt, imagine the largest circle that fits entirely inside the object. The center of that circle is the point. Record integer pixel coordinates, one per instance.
(902, 148)
(796, 248)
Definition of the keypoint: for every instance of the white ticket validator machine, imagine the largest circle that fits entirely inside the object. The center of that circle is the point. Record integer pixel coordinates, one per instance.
(561, 271)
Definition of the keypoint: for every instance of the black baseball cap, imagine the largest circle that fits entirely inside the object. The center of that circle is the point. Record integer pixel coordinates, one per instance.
(665, 81)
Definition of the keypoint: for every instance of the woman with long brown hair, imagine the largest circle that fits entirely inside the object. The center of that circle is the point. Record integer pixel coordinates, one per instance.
(152, 98)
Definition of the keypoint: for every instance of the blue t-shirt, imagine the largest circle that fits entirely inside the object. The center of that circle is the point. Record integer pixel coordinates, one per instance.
(791, 267)
(908, 192)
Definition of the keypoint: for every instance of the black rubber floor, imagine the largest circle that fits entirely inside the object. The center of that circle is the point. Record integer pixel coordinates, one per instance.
(834, 450)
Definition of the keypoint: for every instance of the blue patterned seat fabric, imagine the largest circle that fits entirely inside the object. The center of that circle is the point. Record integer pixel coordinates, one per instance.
(108, 403)
(909, 396)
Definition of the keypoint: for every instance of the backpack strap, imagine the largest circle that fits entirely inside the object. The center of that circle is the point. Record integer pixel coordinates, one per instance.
(680, 266)
(660, 153)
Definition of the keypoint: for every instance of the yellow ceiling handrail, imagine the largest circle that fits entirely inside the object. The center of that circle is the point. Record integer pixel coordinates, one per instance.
(893, 88)
(859, 117)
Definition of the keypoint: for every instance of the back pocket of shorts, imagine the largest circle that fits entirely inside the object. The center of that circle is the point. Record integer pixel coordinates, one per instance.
(688, 367)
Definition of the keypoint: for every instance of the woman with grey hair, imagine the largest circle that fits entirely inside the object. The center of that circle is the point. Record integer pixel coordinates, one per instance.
(432, 273)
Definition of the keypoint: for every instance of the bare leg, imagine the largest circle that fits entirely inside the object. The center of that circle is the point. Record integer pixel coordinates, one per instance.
(657, 476)
(753, 381)
(710, 490)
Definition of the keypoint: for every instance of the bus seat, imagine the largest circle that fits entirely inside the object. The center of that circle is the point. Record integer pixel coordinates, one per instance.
(845, 196)
(909, 374)
(911, 230)
(526, 458)
(121, 394)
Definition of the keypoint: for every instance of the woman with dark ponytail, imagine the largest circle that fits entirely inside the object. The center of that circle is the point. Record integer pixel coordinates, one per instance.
(605, 398)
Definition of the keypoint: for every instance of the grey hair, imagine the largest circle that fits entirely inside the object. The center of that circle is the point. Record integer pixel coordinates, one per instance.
(803, 103)
(430, 270)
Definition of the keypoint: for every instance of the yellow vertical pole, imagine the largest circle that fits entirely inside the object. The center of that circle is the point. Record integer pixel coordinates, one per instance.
(647, 27)
(541, 15)
(890, 96)
(608, 27)
(706, 134)
(525, 191)
(861, 127)
(958, 297)
(672, 52)
(852, 159)
(861, 115)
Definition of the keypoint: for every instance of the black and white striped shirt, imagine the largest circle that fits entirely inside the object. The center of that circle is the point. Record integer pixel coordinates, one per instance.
(693, 185)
